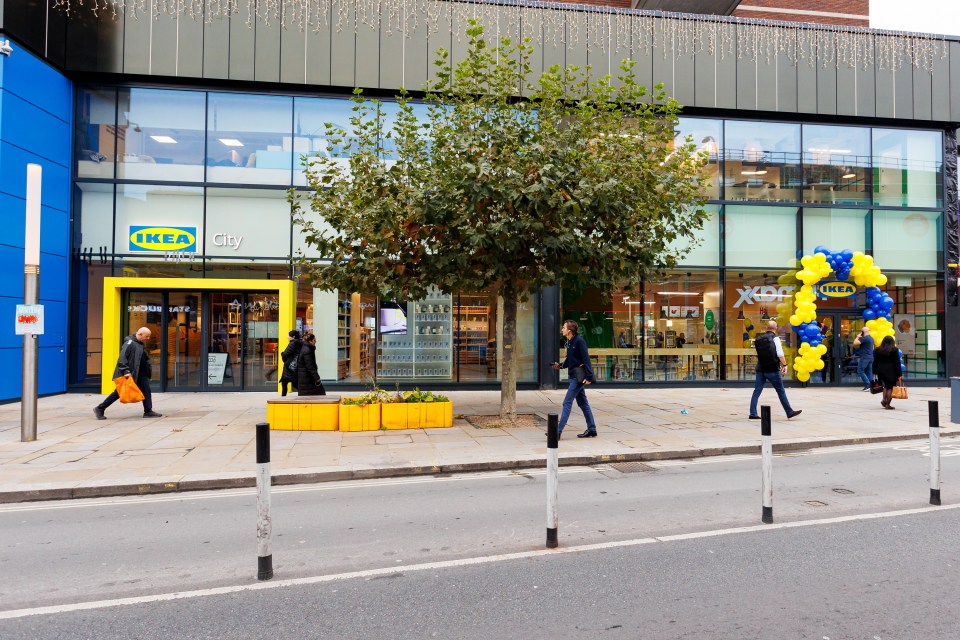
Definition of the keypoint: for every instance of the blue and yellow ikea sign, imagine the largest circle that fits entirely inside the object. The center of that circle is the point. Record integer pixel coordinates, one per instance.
(163, 239)
(836, 289)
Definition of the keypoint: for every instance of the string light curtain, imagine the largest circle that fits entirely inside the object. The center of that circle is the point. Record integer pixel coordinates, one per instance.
(600, 28)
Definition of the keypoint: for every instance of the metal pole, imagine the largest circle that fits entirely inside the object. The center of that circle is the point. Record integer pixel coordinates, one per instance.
(553, 438)
(31, 295)
(934, 452)
(766, 451)
(264, 521)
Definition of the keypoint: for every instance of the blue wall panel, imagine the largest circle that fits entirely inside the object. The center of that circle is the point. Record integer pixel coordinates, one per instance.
(36, 105)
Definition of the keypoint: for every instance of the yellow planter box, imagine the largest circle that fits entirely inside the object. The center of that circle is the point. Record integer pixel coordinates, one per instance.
(355, 417)
(303, 416)
(394, 416)
(437, 414)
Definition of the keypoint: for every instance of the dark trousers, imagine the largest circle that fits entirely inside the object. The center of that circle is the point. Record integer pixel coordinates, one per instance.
(773, 377)
(286, 386)
(144, 383)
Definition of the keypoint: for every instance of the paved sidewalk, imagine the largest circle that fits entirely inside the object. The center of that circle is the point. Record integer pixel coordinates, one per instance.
(206, 440)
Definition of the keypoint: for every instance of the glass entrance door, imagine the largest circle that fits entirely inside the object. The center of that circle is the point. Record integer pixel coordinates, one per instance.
(183, 341)
(225, 341)
(839, 329)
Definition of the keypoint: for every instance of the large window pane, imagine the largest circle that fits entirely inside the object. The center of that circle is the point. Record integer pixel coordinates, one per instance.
(908, 168)
(752, 298)
(708, 136)
(762, 161)
(917, 311)
(907, 239)
(836, 164)
(836, 229)
(682, 330)
(250, 139)
(95, 204)
(311, 116)
(478, 337)
(161, 135)
(159, 220)
(705, 252)
(96, 139)
(760, 236)
(247, 222)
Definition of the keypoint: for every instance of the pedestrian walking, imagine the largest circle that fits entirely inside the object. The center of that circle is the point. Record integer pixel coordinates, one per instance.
(886, 366)
(865, 364)
(289, 358)
(578, 368)
(771, 365)
(308, 378)
(133, 362)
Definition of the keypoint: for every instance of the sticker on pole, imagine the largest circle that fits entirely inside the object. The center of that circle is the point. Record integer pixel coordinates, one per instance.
(30, 319)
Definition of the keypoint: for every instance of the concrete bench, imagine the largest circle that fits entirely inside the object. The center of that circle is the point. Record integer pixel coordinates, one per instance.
(304, 413)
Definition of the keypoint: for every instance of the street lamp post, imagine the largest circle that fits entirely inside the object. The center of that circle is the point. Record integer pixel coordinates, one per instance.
(31, 296)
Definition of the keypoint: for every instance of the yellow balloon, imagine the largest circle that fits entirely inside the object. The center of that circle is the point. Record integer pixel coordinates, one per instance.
(803, 376)
(821, 349)
(881, 280)
(819, 365)
(795, 320)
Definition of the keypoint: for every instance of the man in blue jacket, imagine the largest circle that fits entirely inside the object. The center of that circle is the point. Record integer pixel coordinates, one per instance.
(578, 367)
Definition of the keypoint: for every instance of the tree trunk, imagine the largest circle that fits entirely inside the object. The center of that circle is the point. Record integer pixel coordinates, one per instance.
(508, 375)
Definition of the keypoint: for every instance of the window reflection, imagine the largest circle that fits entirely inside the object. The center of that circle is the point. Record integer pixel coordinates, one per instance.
(96, 134)
(161, 135)
(836, 164)
(249, 139)
(682, 328)
(762, 161)
(707, 135)
(908, 168)
(752, 298)
(311, 116)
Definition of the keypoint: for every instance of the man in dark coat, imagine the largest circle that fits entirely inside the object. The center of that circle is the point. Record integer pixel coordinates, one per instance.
(134, 362)
(288, 357)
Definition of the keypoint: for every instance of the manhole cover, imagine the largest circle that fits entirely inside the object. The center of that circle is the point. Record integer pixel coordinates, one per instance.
(631, 467)
(814, 503)
(843, 491)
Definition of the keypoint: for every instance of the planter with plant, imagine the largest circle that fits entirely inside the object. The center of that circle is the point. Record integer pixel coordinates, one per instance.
(362, 413)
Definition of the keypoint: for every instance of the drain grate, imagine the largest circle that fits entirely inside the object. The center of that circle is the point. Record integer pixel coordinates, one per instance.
(631, 467)
(814, 503)
(843, 491)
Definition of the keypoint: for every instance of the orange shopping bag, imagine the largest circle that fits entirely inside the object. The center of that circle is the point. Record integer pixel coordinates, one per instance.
(128, 390)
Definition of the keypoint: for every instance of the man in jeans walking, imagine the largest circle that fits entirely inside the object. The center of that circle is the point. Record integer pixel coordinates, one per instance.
(865, 363)
(771, 365)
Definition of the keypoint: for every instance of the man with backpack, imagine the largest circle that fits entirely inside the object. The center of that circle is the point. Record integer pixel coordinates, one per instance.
(771, 365)
(289, 360)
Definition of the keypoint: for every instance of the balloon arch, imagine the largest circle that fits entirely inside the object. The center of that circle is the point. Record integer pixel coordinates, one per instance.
(801, 310)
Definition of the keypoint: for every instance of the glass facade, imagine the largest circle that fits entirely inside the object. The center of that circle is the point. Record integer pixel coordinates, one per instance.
(193, 184)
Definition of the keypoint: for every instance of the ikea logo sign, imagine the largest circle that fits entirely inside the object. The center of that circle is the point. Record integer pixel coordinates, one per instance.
(163, 239)
(836, 290)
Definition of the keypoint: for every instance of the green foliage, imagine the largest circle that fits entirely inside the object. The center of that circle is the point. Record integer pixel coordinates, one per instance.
(423, 396)
(374, 396)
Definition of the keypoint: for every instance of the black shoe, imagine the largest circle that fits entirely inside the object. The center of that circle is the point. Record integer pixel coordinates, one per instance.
(754, 417)
(97, 411)
(587, 434)
(865, 389)
(152, 414)
(795, 414)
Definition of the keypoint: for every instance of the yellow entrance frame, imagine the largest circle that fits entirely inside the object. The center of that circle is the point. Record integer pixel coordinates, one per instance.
(113, 289)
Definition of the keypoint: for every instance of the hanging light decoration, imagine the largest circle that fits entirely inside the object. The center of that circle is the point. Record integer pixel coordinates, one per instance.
(609, 30)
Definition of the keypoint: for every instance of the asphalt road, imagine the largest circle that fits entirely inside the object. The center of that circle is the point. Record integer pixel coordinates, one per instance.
(436, 556)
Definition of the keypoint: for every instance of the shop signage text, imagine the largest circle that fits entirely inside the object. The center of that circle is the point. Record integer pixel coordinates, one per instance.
(29, 319)
(769, 293)
(836, 290)
(162, 239)
(227, 240)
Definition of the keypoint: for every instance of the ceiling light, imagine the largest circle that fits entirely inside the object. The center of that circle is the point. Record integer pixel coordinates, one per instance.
(164, 139)
(758, 172)
(231, 142)
(677, 293)
(849, 175)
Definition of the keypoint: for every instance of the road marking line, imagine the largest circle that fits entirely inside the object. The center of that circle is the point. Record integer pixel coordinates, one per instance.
(450, 564)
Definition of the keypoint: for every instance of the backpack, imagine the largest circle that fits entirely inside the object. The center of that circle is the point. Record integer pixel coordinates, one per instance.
(767, 360)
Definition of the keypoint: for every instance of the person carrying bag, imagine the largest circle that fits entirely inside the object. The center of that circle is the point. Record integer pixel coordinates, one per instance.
(289, 358)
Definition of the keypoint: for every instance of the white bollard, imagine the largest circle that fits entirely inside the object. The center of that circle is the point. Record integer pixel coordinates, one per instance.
(264, 520)
(553, 438)
(934, 452)
(766, 453)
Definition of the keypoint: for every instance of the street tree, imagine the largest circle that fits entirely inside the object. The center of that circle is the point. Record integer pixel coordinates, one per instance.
(502, 181)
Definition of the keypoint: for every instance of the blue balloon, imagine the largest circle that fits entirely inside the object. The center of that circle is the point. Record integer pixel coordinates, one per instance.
(746, 336)
(847, 255)
(887, 303)
(903, 367)
(869, 314)
(822, 249)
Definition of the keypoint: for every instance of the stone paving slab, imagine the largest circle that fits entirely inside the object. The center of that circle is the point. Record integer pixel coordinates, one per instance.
(206, 440)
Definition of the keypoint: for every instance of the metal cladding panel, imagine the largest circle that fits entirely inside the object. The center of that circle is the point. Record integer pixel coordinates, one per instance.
(867, 91)
(684, 78)
(577, 47)
(266, 62)
(368, 53)
(903, 89)
(317, 44)
(643, 55)
(531, 29)
(940, 88)
(458, 45)
(94, 45)
(216, 49)
(886, 107)
(293, 56)
(663, 59)
(955, 81)
(922, 94)
(827, 89)
(136, 45)
(439, 39)
(806, 87)
(847, 90)
(243, 43)
(621, 51)
(343, 47)
(768, 98)
(190, 47)
(163, 45)
(727, 73)
(787, 81)
(747, 84)
(705, 76)
(393, 58)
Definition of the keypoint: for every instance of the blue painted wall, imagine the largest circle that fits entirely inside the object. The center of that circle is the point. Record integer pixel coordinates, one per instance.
(35, 126)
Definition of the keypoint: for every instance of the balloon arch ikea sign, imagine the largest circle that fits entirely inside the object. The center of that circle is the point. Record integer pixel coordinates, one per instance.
(801, 309)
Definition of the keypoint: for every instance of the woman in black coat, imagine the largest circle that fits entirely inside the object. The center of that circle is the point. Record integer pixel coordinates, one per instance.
(308, 378)
(886, 366)
(288, 357)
